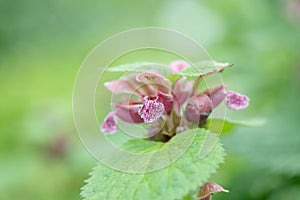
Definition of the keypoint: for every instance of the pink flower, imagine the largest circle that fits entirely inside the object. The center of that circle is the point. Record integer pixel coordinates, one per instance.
(169, 108)
(153, 93)
(236, 101)
(110, 124)
(200, 105)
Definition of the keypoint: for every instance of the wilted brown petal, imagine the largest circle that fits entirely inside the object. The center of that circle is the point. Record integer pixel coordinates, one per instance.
(207, 190)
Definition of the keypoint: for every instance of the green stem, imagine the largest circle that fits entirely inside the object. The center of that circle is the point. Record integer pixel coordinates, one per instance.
(187, 197)
(196, 84)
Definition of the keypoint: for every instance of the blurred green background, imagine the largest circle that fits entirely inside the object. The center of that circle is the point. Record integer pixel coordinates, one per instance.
(43, 43)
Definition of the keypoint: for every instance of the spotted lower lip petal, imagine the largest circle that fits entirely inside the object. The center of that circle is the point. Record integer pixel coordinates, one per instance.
(151, 110)
(236, 101)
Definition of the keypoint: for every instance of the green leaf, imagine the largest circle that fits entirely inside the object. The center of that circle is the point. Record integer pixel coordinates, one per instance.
(173, 182)
(203, 68)
(225, 126)
(140, 67)
(200, 68)
(174, 77)
(278, 141)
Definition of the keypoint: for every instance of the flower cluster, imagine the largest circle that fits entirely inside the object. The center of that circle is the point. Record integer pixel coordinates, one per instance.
(169, 108)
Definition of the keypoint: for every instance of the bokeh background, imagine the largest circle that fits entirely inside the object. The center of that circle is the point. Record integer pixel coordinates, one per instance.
(43, 43)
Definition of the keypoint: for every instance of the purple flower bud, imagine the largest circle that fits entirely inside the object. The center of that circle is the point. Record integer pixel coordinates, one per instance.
(178, 66)
(109, 124)
(216, 94)
(198, 108)
(236, 101)
(151, 110)
(207, 190)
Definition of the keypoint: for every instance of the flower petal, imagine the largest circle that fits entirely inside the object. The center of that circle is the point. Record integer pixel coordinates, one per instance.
(151, 110)
(130, 85)
(109, 124)
(236, 101)
(216, 94)
(167, 100)
(124, 85)
(129, 113)
(181, 91)
(156, 80)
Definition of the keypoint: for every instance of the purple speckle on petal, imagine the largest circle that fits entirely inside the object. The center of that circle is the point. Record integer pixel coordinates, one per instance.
(151, 110)
(109, 124)
(236, 101)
